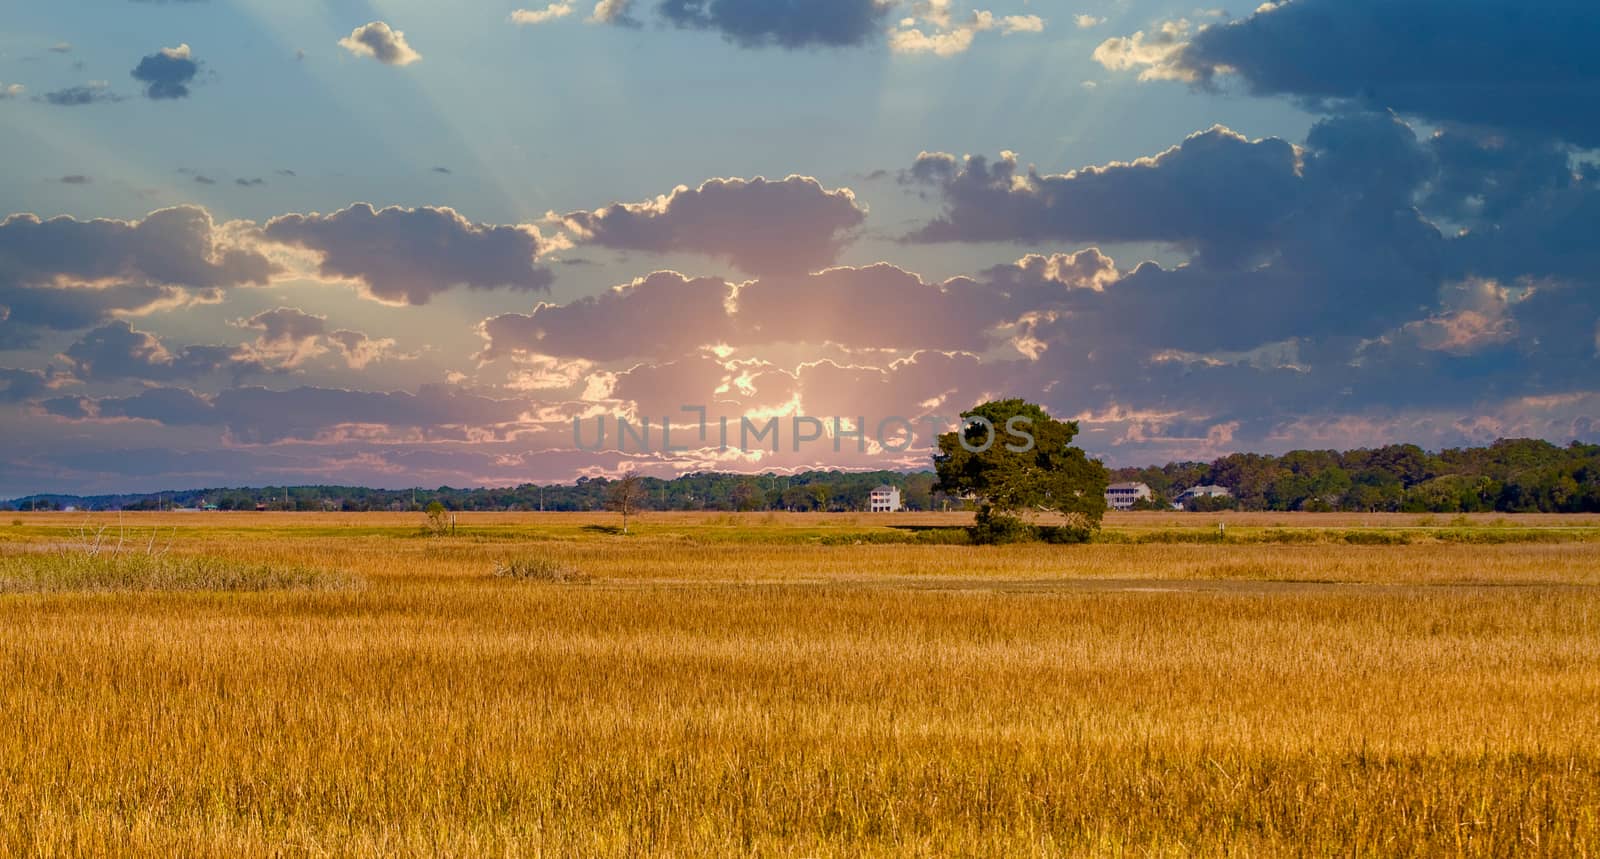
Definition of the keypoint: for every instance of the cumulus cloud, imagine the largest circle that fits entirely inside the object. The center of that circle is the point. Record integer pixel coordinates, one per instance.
(117, 351)
(1484, 178)
(1217, 191)
(167, 73)
(180, 246)
(619, 12)
(407, 256)
(1312, 242)
(378, 41)
(549, 13)
(793, 224)
(939, 35)
(25, 311)
(289, 337)
(1500, 63)
(1155, 54)
(64, 274)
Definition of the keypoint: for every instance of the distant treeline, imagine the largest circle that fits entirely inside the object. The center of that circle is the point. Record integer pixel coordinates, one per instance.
(812, 490)
(1513, 476)
(1510, 476)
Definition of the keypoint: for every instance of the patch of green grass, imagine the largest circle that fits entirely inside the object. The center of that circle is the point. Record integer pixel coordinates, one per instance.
(66, 572)
(897, 536)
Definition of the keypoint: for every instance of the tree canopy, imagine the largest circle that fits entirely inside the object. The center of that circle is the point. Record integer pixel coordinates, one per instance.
(1011, 456)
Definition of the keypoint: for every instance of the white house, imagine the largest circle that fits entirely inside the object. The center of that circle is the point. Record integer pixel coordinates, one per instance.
(1208, 491)
(1122, 496)
(885, 499)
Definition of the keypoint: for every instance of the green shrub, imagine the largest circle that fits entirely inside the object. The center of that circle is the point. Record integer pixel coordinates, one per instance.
(993, 528)
(1377, 538)
(1065, 533)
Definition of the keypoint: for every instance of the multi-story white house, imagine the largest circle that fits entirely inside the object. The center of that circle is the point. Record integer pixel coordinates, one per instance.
(1208, 491)
(885, 499)
(1122, 496)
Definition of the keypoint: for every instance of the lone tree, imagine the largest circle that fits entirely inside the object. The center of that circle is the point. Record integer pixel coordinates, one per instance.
(626, 495)
(1012, 456)
(437, 522)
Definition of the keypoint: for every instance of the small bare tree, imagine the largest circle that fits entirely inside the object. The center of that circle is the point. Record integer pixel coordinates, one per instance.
(626, 495)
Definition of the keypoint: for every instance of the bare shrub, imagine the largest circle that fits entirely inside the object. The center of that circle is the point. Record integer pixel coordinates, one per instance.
(539, 570)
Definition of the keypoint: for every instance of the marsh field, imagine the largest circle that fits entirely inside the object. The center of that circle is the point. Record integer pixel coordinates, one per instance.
(797, 685)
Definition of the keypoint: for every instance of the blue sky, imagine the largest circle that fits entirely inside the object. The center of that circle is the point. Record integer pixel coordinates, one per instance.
(1358, 236)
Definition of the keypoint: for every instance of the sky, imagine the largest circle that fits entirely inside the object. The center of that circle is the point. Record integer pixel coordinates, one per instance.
(410, 243)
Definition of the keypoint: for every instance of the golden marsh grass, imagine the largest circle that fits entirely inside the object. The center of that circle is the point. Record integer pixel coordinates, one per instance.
(785, 685)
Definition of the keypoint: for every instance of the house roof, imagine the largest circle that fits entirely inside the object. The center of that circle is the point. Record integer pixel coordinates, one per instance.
(1127, 486)
(884, 488)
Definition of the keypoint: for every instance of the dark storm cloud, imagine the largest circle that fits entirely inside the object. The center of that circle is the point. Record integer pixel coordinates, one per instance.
(782, 23)
(167, 73)
(1315, 242)
(1482, 178)
(1350, 257)
(407, 256)
(1217, 191)
(1529, 67)
(760, 226)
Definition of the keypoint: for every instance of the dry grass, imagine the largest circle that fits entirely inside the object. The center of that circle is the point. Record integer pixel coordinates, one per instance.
(79, 572)
(737, 685)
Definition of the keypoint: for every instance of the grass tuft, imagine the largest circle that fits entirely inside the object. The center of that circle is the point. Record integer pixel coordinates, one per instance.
(65, 572)
(539, 570)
